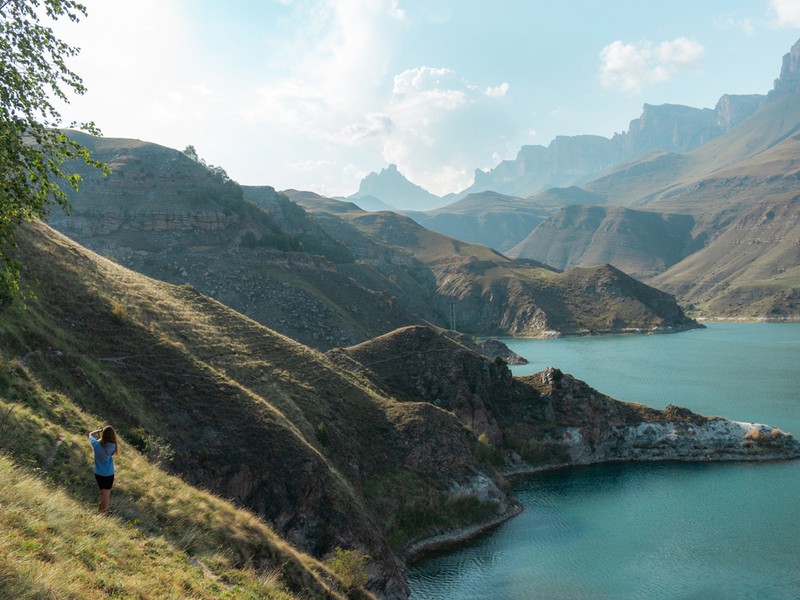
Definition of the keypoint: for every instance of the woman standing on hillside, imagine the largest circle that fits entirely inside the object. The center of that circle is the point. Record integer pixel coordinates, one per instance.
(104, 444)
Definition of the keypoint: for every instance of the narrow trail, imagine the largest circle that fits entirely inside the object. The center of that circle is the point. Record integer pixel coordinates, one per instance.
(52, 454)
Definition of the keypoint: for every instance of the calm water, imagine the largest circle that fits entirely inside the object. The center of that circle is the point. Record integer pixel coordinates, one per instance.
(669, 530)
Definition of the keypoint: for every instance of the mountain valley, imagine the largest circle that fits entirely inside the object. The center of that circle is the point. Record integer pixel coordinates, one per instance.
(374, 448)
(313, 392)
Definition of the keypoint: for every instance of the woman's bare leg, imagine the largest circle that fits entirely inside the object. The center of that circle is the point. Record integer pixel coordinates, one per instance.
(104, 500)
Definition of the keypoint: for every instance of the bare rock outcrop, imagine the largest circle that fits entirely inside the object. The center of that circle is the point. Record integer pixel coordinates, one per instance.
(590, 427)
(550, 418)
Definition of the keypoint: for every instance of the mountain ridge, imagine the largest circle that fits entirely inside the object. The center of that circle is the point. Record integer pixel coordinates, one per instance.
(574, 160)
(320, 270)
(345, 450)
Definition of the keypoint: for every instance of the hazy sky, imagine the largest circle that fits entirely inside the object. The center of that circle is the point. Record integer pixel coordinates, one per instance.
(315, 94)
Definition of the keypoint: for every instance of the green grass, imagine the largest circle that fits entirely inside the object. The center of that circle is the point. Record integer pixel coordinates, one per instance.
(165, 538)
(53, 546)
(240, 405)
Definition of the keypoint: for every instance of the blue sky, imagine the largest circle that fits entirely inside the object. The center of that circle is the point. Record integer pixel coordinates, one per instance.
(315, 94)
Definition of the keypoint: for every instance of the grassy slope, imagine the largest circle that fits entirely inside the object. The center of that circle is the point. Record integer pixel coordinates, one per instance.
(71, 380)
(164, 360)
(166, 539)
(752, 269)
(709, 179)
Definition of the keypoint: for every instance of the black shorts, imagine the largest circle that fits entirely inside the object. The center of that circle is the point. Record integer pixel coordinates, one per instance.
(104, 482)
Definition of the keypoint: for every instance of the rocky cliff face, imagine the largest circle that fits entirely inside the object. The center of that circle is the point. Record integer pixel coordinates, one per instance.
(551, 418)
(577, 159)
(789, 80)
(732, 110)
(591, 427)
(667, 128)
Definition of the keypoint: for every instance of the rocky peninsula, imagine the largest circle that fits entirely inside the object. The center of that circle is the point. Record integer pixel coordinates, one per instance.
(548, 420)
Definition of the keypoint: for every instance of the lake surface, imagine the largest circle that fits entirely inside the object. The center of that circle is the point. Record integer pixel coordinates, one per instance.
(660, 530)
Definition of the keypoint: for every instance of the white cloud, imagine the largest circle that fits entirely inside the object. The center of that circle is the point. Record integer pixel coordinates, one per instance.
(786, 13)
(681, 53)
(308, 96)
(376, 126)
(629, 67)
(423, 80)
(334, 64)
(497, 91)
(444, 127)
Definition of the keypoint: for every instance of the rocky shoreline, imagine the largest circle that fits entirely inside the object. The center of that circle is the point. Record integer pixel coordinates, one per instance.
(420, 549)
(525, 425)
(724, 441)
(784, 319)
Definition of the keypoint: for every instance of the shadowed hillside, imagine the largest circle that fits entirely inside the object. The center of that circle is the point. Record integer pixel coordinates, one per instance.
(250, 415)
(377, 449)
(490, 293)
(639, 243)
(485, 218)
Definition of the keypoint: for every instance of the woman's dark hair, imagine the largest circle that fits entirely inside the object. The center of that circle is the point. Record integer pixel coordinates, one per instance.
(109, 435)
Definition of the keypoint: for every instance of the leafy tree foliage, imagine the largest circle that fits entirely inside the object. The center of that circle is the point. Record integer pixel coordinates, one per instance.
(33, 150)
(218, 173)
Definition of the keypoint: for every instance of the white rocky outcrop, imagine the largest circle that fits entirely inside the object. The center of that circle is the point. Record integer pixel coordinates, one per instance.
(711, 439)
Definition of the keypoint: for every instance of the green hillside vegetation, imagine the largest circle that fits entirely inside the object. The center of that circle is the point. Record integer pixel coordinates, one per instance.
(166, 539)
(491, 293)
(248, 415)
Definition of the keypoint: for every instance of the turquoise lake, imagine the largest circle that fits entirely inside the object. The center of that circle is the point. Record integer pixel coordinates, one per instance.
(660, 530)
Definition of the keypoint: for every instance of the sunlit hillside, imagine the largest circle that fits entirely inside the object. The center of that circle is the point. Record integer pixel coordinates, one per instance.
(245, 413)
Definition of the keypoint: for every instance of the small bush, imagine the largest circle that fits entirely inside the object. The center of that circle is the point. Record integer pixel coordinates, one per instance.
(485, 452)
(349, 567)
(157, 449)
(119, 310)
(321, 433)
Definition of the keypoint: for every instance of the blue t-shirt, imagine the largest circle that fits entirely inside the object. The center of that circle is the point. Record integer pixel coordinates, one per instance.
(103, 457)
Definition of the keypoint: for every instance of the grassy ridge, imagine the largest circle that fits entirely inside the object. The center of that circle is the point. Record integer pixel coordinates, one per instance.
(166, 539)
(103, 344)
(248, 414)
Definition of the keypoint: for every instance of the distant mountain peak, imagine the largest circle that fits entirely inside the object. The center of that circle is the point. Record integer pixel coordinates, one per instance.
(391, 187)
(789, 80)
